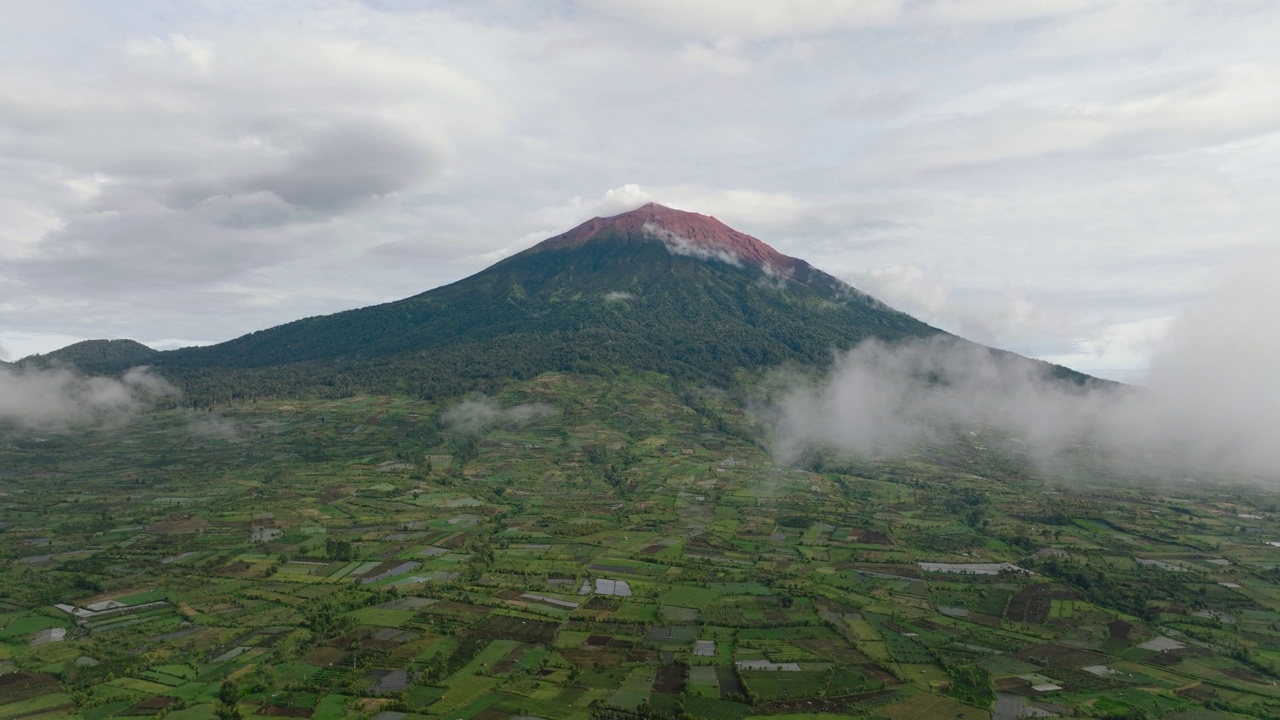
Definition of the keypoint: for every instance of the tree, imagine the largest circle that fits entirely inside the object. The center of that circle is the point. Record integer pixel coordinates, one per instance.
(229, 693)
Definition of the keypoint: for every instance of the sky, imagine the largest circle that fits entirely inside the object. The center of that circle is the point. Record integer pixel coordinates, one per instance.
(1063, 179)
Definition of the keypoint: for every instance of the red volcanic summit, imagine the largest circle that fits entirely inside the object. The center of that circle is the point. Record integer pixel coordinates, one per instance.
(689, 231)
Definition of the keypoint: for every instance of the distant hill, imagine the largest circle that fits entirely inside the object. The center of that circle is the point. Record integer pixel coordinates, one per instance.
(653, 289)
(96, 355)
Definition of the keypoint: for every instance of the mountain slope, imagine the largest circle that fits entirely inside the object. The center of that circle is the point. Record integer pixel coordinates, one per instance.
(96, 355)
(653, 289)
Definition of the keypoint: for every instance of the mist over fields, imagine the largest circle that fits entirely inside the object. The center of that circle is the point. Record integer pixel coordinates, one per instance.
(476, 415)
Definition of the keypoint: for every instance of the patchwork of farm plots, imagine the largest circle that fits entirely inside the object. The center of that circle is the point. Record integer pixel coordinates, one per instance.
(624, 551)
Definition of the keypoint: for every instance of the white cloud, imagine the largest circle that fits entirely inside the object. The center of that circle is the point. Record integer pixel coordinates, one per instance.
(909, 288)
(1001, 318)
(198, 53)
(182, 162)
(1120, 351)
(479, 414)
(55, 397)
(723, 57)
(617, 200)
(881, 100)
(549, 221)
(1006, 11)
(1211, 402)
(1167, 112)
(679, 245)
(730, 18)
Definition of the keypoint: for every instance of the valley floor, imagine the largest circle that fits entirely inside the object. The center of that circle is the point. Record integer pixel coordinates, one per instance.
(580, 547)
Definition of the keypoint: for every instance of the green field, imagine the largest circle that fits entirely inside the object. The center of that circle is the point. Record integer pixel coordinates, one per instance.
(663, 505)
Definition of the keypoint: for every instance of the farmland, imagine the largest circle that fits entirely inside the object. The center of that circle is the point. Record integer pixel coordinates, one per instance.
(626, 550)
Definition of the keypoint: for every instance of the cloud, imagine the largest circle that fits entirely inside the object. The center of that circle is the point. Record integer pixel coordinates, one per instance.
(729, 18)
(991, 317)
(1006, 11)
(163, 171)
(1210, 403)
(723, 57)
(872, 102)
(679, 245)
(213, 427)
(57, 397)
(177, 164)
(1215, 372)
(1161, 112)
(909, 288)
(1120, 351)
(478, 415)
(333, 171)
(618, 296)
(613, 202)
(775, 278)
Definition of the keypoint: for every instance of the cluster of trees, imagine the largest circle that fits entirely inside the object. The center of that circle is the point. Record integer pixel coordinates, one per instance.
(442, 665)
(969, 683)
(339, 549)
(1128, 592)
(326, 616)
(969, 505)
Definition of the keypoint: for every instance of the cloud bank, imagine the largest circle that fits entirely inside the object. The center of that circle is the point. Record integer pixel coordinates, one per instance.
(1211, 402)
(51, 398)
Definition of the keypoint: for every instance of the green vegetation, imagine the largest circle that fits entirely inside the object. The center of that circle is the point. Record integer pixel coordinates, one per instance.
(627, 551)
(699, 322)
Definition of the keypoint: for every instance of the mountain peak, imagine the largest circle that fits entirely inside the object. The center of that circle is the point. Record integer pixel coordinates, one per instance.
(683, 233)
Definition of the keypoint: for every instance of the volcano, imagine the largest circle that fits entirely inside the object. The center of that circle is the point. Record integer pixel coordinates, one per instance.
(681, 232)
(654, 289)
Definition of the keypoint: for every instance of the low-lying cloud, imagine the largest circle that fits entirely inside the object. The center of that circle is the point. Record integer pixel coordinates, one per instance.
(678, 245)
(1210, 402)
(41, 398)
(478, 415)
(204, 426)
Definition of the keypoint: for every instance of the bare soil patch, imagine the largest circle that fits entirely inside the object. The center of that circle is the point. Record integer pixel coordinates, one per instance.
(670, 680)
(326, 655)
(587, 659)
(501, 627)
(730, 685)
(22, 685)
(1054, 657)
(280, 711)
(150, 706)
(1199, 693)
